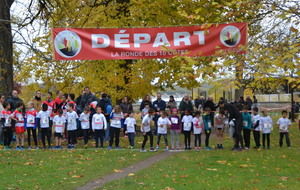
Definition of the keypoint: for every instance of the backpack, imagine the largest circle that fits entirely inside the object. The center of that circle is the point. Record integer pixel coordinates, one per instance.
(108, 108)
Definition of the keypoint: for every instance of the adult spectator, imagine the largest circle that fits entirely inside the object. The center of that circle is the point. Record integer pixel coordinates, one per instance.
(147, 100)
(185, 104)
(126, 105)
(240, 103)
(209, 103)
(58, 100)
(106, 106)
(37, 101)
(234, 113)
(13, 99)
(171, 103)
(254, 102)
(249, 103)
(86, 99)
(158, 105)
(2, 99)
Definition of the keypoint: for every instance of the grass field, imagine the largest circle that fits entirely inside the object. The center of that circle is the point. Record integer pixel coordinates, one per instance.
(223, 169)
(277, 168)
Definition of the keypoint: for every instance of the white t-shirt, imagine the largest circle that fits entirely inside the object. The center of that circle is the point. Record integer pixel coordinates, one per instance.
(164, 122)
(130, 122)
(146, 122)
(266, 124)
(71, 119)
(256, 118)
(44, 118)
(283, 124)
(59, 123)
(198, 125)
(99, 121)
(116, 120)
(85, 120)
(187, 122)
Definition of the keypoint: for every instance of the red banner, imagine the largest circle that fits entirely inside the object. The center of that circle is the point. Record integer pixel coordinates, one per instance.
(148, 43)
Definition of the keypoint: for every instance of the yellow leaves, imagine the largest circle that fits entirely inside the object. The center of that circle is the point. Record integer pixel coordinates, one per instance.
(28, 163)
(77, 176)
(284, 178)
(131, 174)
(222, 161)
(244, 166)
(211, 169)
(118, 171)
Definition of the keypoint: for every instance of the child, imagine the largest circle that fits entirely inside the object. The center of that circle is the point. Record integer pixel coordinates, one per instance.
(43, 121)
(115, 126)
(17, 115)
(175, 129)
(198, 127)
(71, 117)
(146, 130)
(31, 125)
(247, 126)
(85, 124)
(267, 127)
(207, 126)
(130, 124)
(284, 125)
(186, 128)
(59, 128)
(256, 127)
(163, 123)
(145, 109)
(6, 123)
(220, 126)
(99, 125)
(51, 109)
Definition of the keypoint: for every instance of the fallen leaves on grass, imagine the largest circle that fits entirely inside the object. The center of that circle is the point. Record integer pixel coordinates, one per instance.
(244, 166)
(131, 174)
(28, 163)
(118, 171)
(183, 176)
(169, 188)
(222, 161)
(212, 169)
(284, 178)
(77, 176)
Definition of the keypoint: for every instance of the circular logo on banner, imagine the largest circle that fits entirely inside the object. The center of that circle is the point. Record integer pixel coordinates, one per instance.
(230, 36)
(67, 43)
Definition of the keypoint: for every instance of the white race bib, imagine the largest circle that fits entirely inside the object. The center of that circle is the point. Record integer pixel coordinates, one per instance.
(174, 120)
(20, 118)
(283, 127)
(71, 121)
(98, 120)
(187, 126)
(245, 123)
(59, 123)
(115, 122)
(209, 124)
(7, 121)
(30, 119)
(45, 120)
(267, 126)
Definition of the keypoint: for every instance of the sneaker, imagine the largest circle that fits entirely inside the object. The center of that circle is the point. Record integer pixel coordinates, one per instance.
(60, 147)
(167, 148)
(246, 148)
(69, 146)
(289, 147)
(157, 147)
(55, 147)
(208, 148)
(172, 148)
(109, 147)
(17, 148)
(7, 148)
(221, 147)
(177, 148)
(268, 147)
(85, 146)
(196, 148)
(44, 148)
(131, 147)
(200, 148)
(49, 147)
(185, 148)
(256, 147)
(29, 148)
(118, 148)
(189, 148)
(264, 147)
(152, 149)
(143, 150)
(37, 148)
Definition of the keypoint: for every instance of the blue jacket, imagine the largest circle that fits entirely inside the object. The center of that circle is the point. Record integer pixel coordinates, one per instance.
(159, 104)
(247, 121)
(206, 120)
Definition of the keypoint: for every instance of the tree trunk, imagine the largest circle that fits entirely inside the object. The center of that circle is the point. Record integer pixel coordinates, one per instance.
(239, 78)
(6, 48)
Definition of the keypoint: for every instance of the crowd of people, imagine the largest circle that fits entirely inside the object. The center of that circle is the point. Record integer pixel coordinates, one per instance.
(89, 117)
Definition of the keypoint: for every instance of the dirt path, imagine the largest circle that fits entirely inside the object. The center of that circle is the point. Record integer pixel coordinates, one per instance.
(125, 171)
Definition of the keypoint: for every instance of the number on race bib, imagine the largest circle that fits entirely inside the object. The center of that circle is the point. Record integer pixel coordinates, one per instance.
(174, 120)
(245, 123)
(209, 124)
(44, 120)
(187, 126)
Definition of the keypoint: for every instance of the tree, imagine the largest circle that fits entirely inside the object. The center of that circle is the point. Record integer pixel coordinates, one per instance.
(6, 49)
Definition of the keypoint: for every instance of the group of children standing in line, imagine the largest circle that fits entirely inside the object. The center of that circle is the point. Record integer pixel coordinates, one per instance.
(67, 122)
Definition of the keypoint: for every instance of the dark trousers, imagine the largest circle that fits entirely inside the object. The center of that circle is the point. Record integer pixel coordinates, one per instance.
(99, 133)
(246, 133)
(287, 139)
(238, 132)
(86, 133)
(50, 128)
(207, 135)
(146, 139)
(165, 138)
(156, 117)
(131, 138)
(212, 117)
(187, 138)
(72, 137)
(46, 133)
(31, 130)
(7, 132)
(112, 133)
(256, 135)
(264, 136)
(197, 140)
